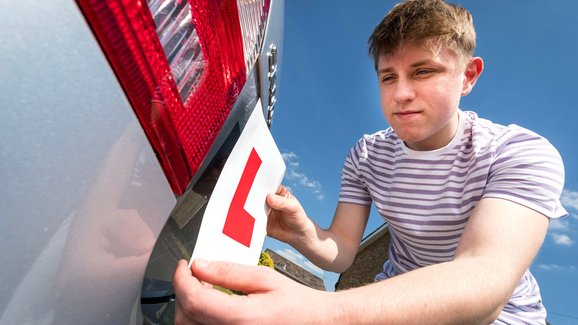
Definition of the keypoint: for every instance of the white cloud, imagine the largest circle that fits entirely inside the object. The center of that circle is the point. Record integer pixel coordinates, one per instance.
(314, 268)
(290, 159)
(569, 200)
(556, 267)
(559, 225)
(300, 260)
(291, 255)
(299, 179)
(550, 267)
(562, 239)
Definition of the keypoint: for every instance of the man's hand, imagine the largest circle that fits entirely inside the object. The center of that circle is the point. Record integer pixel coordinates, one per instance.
(270, 297)
(331, 249)
(287, 220)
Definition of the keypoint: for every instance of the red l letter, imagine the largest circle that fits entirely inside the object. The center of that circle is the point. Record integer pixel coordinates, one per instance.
(239, 223)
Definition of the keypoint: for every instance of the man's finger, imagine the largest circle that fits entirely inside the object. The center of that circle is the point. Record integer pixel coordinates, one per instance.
(245, 278)
(275, 201)
(183, 277)
(197, 301)
(281, 190)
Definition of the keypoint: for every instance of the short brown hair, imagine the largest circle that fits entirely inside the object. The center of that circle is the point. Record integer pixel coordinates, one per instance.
(427, 23)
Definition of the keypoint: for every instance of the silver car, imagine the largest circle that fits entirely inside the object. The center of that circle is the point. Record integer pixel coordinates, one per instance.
(117, 117)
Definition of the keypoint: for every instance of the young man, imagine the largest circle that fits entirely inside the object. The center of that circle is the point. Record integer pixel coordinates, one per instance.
(467, 203)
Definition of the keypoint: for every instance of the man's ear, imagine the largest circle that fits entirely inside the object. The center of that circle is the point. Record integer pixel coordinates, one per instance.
(473, 71)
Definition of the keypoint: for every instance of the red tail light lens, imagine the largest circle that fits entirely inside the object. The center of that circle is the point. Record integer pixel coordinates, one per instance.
(182, 65)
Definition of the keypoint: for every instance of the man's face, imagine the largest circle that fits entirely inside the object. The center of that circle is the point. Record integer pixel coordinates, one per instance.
(420, 93)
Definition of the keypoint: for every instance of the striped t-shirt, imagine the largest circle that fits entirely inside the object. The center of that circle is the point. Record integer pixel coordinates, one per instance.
(426, 197)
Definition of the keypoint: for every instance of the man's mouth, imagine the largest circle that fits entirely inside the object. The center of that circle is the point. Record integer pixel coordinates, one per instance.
(406, 114)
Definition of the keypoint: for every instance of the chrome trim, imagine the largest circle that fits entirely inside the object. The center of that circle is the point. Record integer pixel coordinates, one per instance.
(272, 75)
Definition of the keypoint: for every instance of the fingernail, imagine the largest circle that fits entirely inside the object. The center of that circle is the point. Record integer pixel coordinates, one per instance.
(201, 262)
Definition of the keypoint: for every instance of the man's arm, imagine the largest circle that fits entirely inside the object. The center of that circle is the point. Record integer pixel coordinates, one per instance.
(332, 249)
(498, 245)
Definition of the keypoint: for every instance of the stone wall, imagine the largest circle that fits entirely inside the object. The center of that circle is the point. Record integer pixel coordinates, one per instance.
(372, 254)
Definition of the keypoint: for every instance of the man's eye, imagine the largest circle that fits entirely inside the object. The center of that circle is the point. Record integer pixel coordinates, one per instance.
(387, 79)
(423, 72)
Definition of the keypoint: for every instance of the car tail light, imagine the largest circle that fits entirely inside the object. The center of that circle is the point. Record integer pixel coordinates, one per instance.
(182, 65)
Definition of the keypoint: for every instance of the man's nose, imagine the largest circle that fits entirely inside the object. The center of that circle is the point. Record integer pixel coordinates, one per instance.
(404, 91)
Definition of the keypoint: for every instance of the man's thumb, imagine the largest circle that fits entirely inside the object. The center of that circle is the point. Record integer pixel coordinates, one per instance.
(276, 202)
(232, 276)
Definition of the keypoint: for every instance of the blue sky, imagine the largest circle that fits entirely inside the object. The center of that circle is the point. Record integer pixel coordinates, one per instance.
(328, 98)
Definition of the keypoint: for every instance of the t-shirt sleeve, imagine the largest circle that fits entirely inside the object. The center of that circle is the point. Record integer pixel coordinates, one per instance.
(353, 186)
(528, 170)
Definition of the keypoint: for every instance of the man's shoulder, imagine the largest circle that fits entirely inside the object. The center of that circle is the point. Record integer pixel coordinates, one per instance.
(380, 137)
(381, 143)
(486, 131)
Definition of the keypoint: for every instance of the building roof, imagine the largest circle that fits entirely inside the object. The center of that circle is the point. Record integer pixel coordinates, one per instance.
(373, 236)
(295, 272)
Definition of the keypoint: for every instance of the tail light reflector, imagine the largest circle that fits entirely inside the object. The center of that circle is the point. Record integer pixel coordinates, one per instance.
(182, 65)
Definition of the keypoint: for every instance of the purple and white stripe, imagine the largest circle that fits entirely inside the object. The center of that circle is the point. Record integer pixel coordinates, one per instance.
(426, 198)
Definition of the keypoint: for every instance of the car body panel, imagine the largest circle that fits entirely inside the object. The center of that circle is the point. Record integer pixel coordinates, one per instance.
(83, 199)
(83, 196)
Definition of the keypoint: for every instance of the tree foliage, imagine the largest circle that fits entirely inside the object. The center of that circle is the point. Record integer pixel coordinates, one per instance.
(265, 260)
